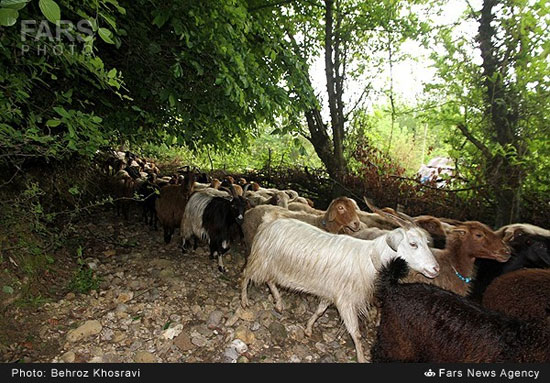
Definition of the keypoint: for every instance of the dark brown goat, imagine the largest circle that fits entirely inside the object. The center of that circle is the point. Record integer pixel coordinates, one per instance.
(171, 202)
(424, 323)
(528, 252)
(123, 186)
(465, 243)
(523, 294)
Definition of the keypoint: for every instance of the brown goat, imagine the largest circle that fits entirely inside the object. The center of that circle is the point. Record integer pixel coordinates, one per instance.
(433, 226)
(340, 217)
(123, 187)
(171, 204)
(523, 294)
(465, 243)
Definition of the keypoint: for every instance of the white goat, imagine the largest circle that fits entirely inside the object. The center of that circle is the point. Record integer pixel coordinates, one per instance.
(337, 268)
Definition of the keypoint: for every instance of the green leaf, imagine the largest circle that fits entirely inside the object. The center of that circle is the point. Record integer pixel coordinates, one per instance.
(14, 4)
(61, 111)
(50, 10)
(7, 289)
(8, 17)
(161, 18)
(106, 35)
(53, 123)
(111, 73)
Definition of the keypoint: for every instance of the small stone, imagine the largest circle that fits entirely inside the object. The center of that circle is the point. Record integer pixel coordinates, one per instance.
(255, 326)
(328, 337)
(199, 340)
(109, 253)
(119, 337)
(166, 274)
(111, 358)
(107, 334)
(230, 354)
(91, 327)
(295, 359)
(242, 359)
(124, 297)
(96, 359)
(70, 296)
(144, 357)
(321, 347)
(327, 359)
(265, 318)
(296, 332)
(214, 319)
(121, 308)
(68, 357)
(196, 309)
(239, 346)
(172, 332)
(245, 335)
(278, 332)
(183, 342)
(247, 315)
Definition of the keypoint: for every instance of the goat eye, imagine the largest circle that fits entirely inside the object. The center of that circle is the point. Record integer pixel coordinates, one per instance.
(413, 245)
(479, 235)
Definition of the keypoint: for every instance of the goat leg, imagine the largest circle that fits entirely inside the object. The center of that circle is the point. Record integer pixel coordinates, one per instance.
(323, 305)
(276, 296)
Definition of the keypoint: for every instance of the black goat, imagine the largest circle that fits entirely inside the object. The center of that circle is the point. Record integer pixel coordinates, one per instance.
(528, 251)
(424, 323)
(149, 192)
(213, 219)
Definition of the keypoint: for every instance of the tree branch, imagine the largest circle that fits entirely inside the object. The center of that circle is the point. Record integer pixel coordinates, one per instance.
(484, 149)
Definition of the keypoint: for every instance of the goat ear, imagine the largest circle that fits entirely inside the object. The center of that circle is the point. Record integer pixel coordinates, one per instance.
(394, 238)
(459, 231)
(511, 234)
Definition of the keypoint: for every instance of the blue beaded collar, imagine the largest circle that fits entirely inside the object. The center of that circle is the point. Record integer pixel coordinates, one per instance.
(461, 277)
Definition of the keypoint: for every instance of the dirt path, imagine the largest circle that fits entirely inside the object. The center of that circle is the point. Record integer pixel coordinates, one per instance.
(156, 304)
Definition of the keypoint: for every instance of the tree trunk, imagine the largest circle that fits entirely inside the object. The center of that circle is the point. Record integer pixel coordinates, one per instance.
(504, 176)
(334, 79)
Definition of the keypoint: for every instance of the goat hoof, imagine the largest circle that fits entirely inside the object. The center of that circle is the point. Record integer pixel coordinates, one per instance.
(222, 269)
(308, 331)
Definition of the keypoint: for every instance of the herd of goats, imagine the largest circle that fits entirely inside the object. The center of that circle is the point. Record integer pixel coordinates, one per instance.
(444, 290)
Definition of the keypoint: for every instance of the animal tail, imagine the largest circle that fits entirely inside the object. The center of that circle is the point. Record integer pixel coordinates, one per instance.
(389, 276)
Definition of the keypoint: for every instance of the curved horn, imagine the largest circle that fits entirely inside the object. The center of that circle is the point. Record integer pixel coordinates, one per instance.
(394, 218)
(245, 188)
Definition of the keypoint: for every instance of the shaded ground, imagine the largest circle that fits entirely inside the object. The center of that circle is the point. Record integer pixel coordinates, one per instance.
(156, 304)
